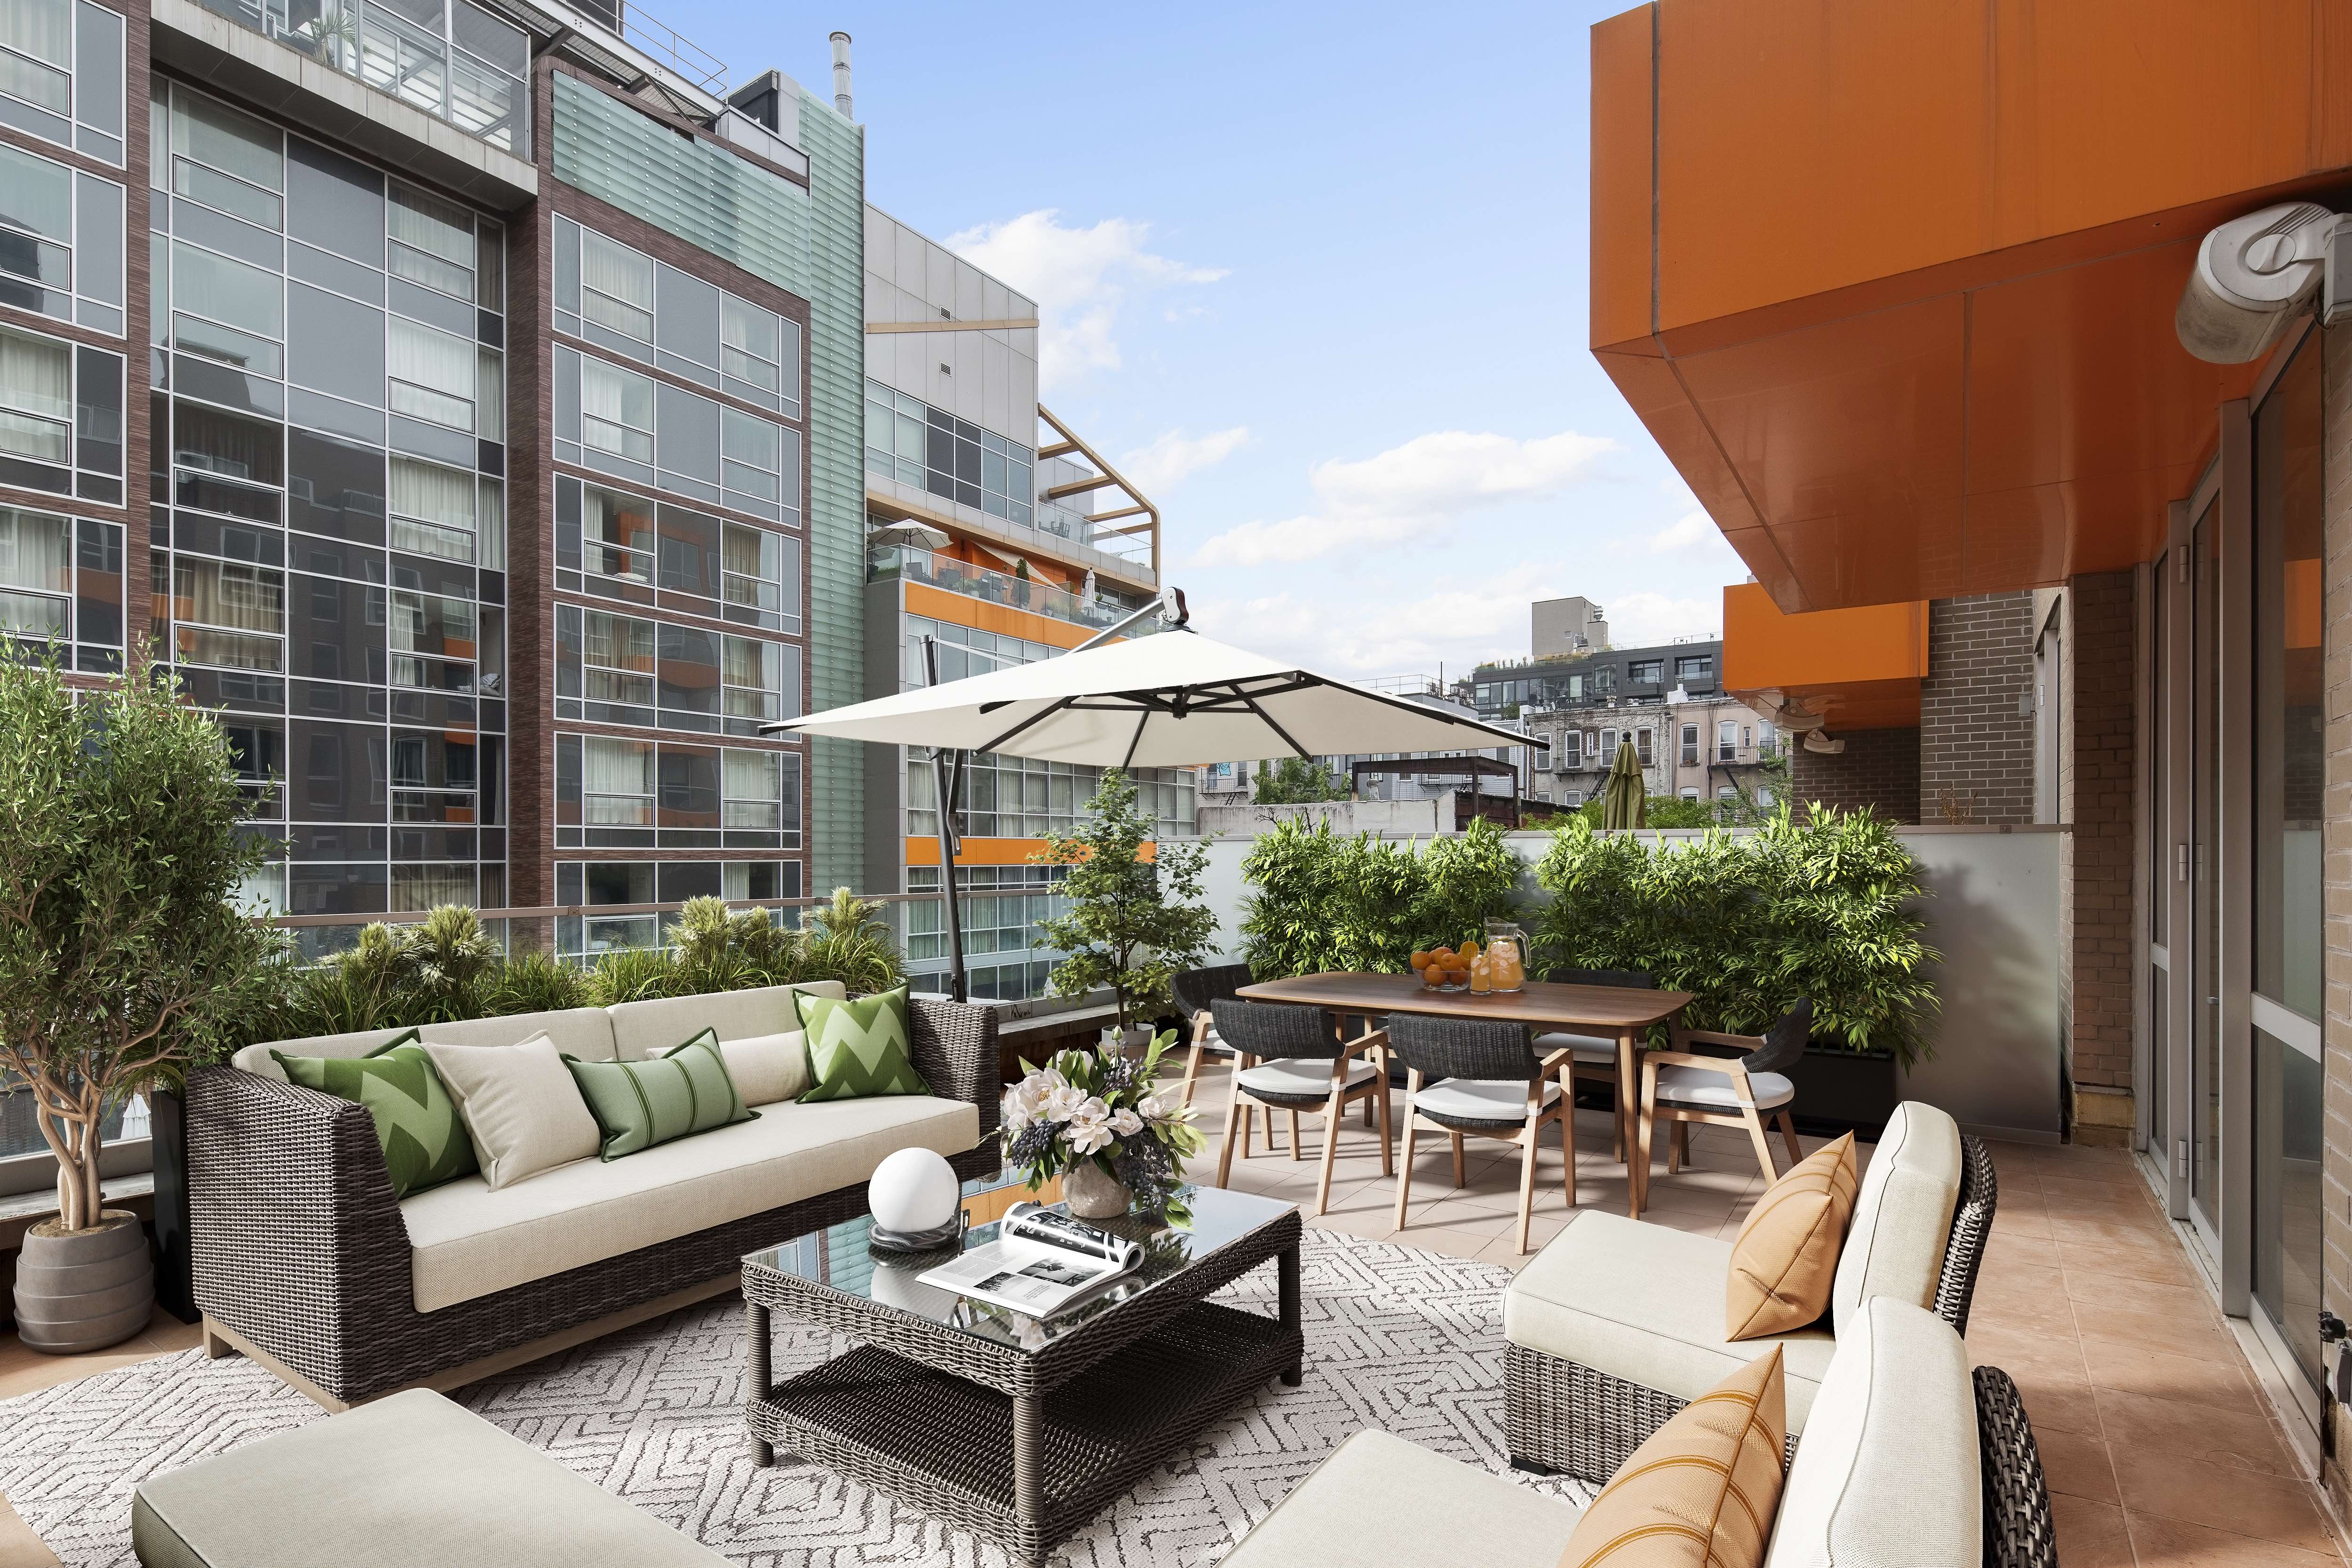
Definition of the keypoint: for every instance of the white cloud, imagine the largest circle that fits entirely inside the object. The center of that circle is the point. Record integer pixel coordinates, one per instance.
(1643, 618)
(1170, 456)
(1079, 277)
(1687, 531)
(1408, 489)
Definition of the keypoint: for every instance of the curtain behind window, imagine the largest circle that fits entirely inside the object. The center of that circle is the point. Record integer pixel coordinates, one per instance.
(35, 551)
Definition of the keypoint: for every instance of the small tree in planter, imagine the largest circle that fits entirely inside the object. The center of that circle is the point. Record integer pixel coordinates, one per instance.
(124, 953)
(1133, 924)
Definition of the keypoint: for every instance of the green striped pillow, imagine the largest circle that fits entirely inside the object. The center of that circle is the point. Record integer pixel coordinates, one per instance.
(424, 1141)
(681, 1092)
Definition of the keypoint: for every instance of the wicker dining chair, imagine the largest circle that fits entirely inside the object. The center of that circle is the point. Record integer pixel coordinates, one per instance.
(1489, 1082)
(1741, 1083)
(1596, 1055)
(1295, 1059)
(1195, 990)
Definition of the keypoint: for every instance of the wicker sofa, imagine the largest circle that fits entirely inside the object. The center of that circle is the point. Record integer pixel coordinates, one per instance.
(1912, 1457)
(1616, 1325)
(305, 1260)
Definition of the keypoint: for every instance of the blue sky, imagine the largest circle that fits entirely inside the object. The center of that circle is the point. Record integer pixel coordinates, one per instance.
(1316, 273)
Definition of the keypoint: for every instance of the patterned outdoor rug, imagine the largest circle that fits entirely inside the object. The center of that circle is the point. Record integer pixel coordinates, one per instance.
(1398, 1338)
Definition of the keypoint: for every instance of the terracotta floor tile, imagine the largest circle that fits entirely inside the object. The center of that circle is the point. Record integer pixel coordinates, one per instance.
(1450, 1243)
(2018, 1350)
(2053, 1316)
(2076, 1463)
(1472, 1219)
(2177, 1543)
(2009, 1248)
(2164, 1265)
(2196, 1433)
(2054, 1403)
(2194, 1332)
(2108, 1230)
(2133, 1368)
(2091, 1534)
(2274, 1508)
(2130, 1196)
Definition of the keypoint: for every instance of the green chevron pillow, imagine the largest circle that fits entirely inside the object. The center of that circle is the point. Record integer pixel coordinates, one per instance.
(424, 1142)
(860, 1047)
(685, 1090)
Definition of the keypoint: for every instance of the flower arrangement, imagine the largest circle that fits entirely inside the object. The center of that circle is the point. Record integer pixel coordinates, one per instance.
(1102, 1106)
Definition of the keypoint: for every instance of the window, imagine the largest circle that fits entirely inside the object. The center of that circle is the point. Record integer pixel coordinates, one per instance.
(228, 614)
(60, 242)
(61, 580)
(605, 666)
(224, 460)
(1767, 740)
(755, 349)
(1641, 749)
(1604, 679)
(616, 417)
(762, 577)
(758, 455)
(1690, 792)
(432, 242)
(757, 685)
(1646, 672)
(622, 421)
(621, 793)
(62, 74)
(908, 440)
(616, 782)
(1726, 792)
(1695, 666)
(1539, 754)
(620, 299)
(1572, 797)
(60, 417)
(1726, 740)
(616, 294)
(1747, 736)
(1566, 749)
(433, 375)
(1690, 745)
(433, 509)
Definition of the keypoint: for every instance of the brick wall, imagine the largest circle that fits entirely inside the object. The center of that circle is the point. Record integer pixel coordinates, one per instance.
(1976, 725)
(1878, 768)
(2097, 795)
(2335, 682)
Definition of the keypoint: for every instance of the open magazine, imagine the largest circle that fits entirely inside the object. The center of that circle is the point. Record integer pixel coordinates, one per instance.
(1040, 1262)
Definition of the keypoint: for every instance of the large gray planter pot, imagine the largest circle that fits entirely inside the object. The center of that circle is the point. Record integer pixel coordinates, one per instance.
(84, 1289)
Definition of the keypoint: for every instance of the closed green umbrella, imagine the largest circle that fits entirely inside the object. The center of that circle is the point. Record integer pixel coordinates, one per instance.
(1624, 800)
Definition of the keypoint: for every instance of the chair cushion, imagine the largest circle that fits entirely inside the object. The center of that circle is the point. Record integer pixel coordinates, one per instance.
(860, 1046)
(644, 1029)
(1588, 1047)
(520, 1107)
(408, 1479)
(1293, 1079)
(1696, 1085)
(582, 1032)
(1351, 1512)
(1785, 1257)
(1889, 1470)
(470, 1241)
(1902, 1215)
(416, 1124)
(1480, 1098)
(1645, 1303)
(685, 1090)
(1700, 1492)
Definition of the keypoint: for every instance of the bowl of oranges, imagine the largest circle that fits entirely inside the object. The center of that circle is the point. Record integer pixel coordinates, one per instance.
(1445, 968)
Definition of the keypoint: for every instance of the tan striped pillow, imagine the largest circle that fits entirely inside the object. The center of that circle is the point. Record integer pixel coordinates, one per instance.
(1702, 1492)
(1785, 1260)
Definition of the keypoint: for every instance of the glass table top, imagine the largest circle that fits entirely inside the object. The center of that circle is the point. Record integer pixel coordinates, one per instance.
(838, 1258)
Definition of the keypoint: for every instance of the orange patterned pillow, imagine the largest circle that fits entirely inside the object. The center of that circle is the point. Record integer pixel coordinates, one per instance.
(1703, 1491)
(1785, 1261)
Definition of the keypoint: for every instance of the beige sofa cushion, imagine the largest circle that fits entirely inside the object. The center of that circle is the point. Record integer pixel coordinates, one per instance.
(1645, 1303)
(470, 1241)
(768, 1068)
(1383, 1502)
(1902, 1215)
(1888, 1470)
(582, 1032)
(520, 1105)
(642, 1029)
(1785, 1257)
(414, 1478)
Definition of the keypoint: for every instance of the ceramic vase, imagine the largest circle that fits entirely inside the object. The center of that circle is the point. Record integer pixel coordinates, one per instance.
(1093, 1192)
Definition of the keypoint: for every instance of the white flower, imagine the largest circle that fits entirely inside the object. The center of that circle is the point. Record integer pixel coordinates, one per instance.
(1169, 1107)
(1024, 1102)
(1064, 1101)
(1126, 1123)
(1087, 1136)
(1016, 1115)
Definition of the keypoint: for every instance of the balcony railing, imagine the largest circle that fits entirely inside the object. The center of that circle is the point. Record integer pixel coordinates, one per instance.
(453, 60)
(996, 587)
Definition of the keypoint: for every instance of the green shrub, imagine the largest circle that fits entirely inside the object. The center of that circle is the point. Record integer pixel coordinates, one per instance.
(535, 982)
(633, 975)
(446, 965)
(1132, 924)
(1818, 906)
(718, 948)
(846, 940)
(1325, 901)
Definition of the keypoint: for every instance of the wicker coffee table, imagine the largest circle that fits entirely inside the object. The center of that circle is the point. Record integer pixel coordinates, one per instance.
(1017, 1428)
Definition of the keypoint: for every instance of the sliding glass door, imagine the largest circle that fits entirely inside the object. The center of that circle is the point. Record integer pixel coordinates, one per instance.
(2204, 1120)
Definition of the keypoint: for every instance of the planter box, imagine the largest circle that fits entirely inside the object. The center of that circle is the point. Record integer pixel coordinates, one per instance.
(1841, 1090)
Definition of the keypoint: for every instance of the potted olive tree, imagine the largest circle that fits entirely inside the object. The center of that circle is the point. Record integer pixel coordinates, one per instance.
(1134, 923)
(125, 954)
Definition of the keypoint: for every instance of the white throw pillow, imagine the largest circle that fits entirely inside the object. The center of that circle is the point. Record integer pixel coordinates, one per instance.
(520, 1105)
(768, 1068)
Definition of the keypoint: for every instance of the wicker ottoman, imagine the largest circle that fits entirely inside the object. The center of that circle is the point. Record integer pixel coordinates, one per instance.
(410, 1480)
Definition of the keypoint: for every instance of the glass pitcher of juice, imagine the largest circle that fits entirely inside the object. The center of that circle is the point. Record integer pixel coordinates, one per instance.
(1506, 956)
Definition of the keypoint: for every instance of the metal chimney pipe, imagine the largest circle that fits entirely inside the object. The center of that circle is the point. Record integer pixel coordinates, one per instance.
(841, 75)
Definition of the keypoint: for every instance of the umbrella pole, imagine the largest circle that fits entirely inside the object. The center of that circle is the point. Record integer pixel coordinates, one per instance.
(945, 780)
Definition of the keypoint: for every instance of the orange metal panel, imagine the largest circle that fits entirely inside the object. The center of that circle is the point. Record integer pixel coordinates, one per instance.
(1763, 647)
(994, 851)
(962, 610)
(1621, 176)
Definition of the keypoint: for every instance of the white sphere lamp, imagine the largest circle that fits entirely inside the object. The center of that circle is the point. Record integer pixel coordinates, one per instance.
(914, 1194)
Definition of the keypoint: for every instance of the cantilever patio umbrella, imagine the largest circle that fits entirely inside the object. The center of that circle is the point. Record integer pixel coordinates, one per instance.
(1177, 700)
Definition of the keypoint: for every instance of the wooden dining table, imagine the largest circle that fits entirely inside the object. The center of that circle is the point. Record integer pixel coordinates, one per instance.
(1624, 1013)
